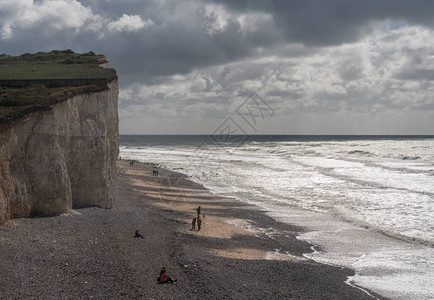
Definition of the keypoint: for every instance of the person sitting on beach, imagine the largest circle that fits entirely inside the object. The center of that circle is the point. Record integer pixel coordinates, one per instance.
(138, 235)
(164, 277)
(193, 224)
(199, 222)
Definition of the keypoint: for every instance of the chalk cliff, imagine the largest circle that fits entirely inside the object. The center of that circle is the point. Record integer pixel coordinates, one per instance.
(62, 157)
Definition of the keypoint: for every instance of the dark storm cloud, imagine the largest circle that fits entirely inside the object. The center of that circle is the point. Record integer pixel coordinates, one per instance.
(109, 8)
(331, 22)
(415, 68)
(179, 42)
(172, 50)
(247, 5)
(420, 74)
(190, 60)
(179, 45)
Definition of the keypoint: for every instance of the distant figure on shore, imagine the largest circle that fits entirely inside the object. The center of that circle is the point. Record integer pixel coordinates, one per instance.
(193, 224)
(138, 235)
(131, 162)
(164, 277)
(198, 212)
(199, 222)
(155, 172)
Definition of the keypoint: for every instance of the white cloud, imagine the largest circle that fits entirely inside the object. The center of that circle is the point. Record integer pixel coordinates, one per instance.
(129, 23)
(8, 11)
(52, 14)
(349, 82)
(347, 68)
(57, 15)
(255, 21)
(216, 18)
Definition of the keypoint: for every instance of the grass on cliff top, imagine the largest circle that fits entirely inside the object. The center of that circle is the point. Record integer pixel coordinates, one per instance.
(16, 103)
(54, 65)
(38, 93)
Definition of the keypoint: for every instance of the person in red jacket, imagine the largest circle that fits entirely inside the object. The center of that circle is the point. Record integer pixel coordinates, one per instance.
(199, 222)
(164, 277)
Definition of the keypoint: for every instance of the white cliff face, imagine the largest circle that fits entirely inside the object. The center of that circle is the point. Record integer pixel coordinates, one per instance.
(61, 158)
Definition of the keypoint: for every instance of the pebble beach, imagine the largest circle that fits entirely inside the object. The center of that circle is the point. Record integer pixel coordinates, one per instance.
(91, 253)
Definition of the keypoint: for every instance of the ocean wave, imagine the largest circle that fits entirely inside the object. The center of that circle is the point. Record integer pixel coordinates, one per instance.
(347, 215)
(410, 157)
(404, 169)
(306, 176)
(361, 152)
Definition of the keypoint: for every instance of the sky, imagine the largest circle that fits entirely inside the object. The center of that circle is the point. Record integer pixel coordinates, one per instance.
(248, 66)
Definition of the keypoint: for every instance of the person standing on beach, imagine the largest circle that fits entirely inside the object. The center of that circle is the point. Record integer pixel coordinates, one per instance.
(199, 222)
(193, 224)
(198, 211)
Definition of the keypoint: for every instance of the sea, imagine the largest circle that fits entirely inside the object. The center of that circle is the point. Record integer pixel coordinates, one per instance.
(365, 202)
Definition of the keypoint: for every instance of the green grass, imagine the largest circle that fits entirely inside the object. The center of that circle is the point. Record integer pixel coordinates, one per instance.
(54, 65)
(10, 97)
(16, 103)
(50, 71)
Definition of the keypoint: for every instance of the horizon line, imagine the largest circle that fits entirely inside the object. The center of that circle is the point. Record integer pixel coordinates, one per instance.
(274, 134)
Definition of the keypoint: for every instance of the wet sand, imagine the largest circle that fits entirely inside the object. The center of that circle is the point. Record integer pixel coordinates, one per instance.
(90, 253)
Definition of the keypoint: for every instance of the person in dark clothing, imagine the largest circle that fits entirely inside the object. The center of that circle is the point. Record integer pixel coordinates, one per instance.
(193, 224)
(164, 277)
(199, 222)
(138, 235)
(198, 211)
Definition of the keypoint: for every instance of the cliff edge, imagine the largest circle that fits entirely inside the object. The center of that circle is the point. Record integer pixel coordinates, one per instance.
(62, 153)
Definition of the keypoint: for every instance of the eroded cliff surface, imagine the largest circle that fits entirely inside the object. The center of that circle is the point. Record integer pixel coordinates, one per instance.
(61, 158)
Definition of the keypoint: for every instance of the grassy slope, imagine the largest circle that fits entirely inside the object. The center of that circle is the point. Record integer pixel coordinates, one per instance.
(15, 103)
(53, 65)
